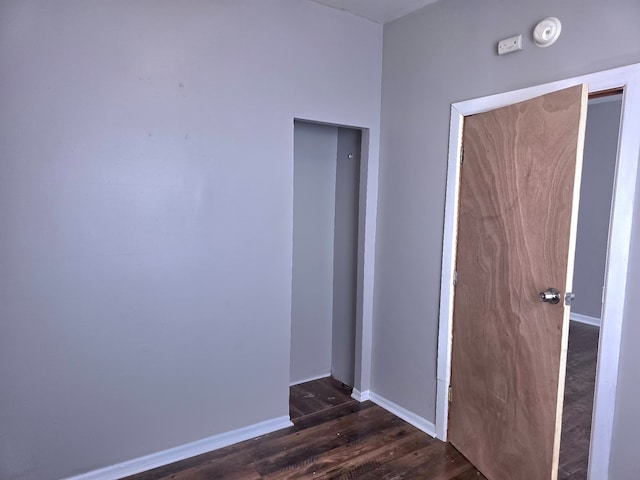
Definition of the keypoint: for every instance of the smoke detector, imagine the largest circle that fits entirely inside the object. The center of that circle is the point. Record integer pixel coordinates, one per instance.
(547, 32)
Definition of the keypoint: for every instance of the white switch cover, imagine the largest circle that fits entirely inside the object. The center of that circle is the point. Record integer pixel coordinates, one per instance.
(511, 44)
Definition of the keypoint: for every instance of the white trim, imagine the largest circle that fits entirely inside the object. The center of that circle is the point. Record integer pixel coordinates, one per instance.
(360, 396)
(617, 254)
(188, 450)
(417, 421)
(449, 249)
(586, 319)
(369, 158)
(616, 274)
(310, 379)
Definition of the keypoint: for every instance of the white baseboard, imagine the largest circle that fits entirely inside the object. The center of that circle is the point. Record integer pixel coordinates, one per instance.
(577, 317)
(417, 421)
(165, 457)
(360, 396)
(310, 379)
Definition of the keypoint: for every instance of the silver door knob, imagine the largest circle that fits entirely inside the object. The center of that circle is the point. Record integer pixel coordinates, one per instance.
(551, 295)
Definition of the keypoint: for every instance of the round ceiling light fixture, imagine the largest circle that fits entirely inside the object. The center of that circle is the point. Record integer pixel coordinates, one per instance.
(547, 32)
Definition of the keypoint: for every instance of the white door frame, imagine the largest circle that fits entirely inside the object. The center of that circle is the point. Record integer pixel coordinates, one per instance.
(617, 251)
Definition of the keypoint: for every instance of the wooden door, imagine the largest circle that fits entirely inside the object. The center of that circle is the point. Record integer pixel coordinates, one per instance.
(519, 186)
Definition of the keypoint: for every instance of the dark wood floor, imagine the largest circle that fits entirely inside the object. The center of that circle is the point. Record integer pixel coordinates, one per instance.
(336, 437)
(333, 437)
(578, 401)
(316, 396)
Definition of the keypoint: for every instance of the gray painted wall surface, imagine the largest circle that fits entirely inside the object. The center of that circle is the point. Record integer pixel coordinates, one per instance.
(345, 256)
(425, 69)
(314, 203)
(146, 198)
(598, 169)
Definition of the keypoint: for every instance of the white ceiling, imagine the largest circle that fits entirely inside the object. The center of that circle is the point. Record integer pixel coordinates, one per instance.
(380, 11)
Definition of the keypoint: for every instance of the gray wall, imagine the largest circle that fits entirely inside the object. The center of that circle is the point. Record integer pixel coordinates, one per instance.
(314, 203)
(442, 54)
(596, 189)
(146, 198)
(345, 256)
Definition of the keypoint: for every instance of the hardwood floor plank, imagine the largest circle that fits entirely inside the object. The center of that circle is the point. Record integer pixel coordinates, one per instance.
(438, 461)
(311, 397)
(345, 439)
(330, 413)
(228, 455)
(578, 401)
(344, 459)
(348, 441)
(317, 441)
(374, 460)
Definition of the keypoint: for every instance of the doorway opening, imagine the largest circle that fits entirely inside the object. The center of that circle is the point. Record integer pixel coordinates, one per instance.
(619, 245)
(326, 219)
(596, 192)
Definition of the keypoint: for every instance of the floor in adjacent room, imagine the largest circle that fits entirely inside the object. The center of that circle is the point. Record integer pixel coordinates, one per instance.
(578, 401)
(336, 437)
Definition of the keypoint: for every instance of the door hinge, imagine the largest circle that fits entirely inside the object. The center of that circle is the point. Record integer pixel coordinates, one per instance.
(450, 393)
(461, 155)
(455, 278)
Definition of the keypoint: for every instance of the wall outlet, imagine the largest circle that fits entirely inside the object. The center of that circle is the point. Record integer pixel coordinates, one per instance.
(511, 44)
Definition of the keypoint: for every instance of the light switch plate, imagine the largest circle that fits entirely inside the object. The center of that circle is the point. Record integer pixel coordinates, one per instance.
(511, 44)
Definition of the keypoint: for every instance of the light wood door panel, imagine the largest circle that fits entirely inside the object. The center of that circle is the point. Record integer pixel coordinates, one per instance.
(516, 237)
